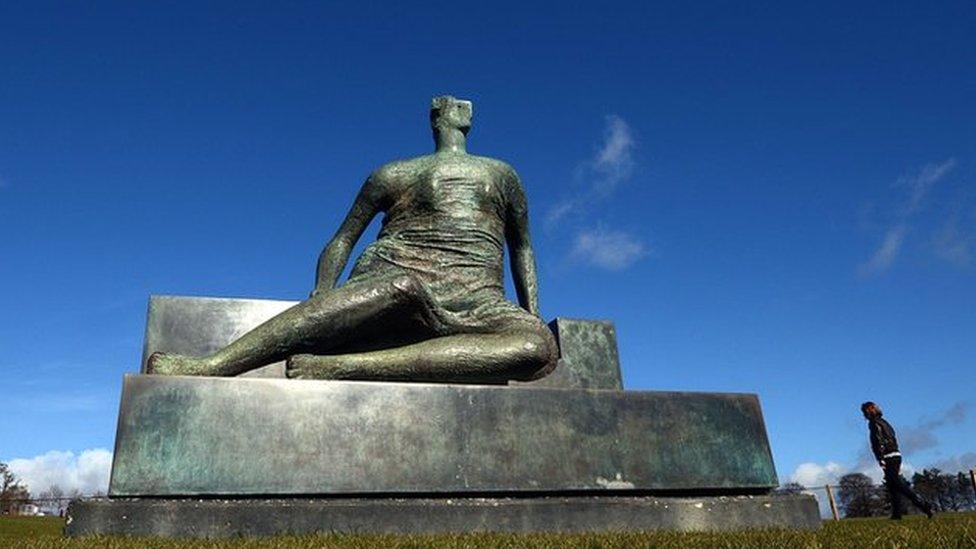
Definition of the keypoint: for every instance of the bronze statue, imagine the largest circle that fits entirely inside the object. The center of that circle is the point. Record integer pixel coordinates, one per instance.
(426, 300)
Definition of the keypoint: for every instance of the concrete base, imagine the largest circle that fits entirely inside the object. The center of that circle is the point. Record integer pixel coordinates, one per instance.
(212, 518)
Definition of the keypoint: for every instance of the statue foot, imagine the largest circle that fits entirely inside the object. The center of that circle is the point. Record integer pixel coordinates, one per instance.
(176, 365)
(314, 367)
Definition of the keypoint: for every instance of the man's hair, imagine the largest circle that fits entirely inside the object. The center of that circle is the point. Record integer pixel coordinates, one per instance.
(871, 409)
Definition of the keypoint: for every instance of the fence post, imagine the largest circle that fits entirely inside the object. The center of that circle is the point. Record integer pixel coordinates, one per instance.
(833, 504)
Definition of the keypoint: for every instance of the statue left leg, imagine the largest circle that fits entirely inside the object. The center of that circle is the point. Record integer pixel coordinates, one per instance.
(464, 358)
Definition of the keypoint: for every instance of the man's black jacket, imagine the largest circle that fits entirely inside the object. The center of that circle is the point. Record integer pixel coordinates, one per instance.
(883, 439)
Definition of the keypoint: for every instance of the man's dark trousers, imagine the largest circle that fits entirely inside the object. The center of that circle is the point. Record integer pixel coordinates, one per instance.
(897, 487)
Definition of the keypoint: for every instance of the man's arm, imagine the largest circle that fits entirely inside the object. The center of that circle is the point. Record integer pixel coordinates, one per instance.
(334, 257)
(520, 245)
(876, 441)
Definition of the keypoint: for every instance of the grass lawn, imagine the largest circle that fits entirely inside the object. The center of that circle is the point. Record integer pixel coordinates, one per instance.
(946, 530)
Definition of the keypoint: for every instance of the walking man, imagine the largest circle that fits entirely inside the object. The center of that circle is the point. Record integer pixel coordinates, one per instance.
(885, 448)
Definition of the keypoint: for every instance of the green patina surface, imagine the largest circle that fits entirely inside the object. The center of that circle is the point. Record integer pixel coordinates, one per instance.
(183, 435)
(426, 300)
(589, 350)
(197, 326)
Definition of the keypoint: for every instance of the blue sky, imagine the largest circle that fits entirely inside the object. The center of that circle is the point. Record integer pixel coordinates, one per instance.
(764, 199)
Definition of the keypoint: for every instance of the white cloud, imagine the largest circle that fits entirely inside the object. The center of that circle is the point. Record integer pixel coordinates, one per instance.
(558, 212)
(611, 164)
(611, 250)
(885, 255)
(814, 474)
(918, 186)
(87, 472)
(614, 161)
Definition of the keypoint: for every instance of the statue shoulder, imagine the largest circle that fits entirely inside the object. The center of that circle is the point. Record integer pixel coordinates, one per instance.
(389, 171)
(391, 175)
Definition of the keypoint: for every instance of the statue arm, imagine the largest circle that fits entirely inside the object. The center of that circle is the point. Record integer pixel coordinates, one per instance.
(520, 247)
(334, 257)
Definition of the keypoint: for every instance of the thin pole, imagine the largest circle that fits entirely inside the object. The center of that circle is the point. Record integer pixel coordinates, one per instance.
(833, 504)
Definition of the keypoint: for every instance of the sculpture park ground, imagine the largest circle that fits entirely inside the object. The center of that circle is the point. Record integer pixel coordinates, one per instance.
(947, 530)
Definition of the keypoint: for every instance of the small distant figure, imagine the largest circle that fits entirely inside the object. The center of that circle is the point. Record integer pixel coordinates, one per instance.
(885, 448)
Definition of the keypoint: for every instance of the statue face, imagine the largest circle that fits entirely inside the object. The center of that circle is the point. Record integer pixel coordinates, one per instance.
(453, 113)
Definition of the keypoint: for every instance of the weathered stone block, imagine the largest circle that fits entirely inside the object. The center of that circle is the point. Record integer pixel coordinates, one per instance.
(188, 436)
(198, 326)
(214, 518)
(587, 356)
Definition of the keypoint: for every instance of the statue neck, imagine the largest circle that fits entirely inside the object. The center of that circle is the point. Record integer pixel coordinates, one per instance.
(449, 140)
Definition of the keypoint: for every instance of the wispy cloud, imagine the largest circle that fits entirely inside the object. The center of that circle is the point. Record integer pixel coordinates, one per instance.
(611, 165)
(917, 187)
(886, 253)
(813, 474)
(614, 161)
(87, 472)
(921, 183)
(953, 243)
(923, 437)
(611, 250)
(962, 462)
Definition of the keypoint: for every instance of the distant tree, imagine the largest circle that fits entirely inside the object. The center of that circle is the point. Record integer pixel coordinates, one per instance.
(51, 499)
(966, 490)
(789, 489)
(13, 494)
(946, 492)
(860, 497)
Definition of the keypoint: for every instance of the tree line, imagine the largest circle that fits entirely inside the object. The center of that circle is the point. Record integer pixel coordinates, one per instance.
(14, 495)
(859, 496)
(12, 492)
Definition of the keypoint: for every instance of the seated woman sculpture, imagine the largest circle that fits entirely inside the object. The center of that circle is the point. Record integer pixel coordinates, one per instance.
(426, 300)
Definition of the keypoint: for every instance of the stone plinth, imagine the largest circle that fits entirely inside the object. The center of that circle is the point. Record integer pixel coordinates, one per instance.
(214, 518)
(182, 436)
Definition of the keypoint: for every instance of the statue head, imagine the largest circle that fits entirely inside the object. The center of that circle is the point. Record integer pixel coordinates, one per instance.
(449, 112)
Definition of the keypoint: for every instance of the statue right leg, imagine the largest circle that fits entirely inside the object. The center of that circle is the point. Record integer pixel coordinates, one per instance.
(463, 358)
(340, 317)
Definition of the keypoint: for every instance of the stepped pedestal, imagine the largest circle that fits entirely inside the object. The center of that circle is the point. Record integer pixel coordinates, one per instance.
(213, 457)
